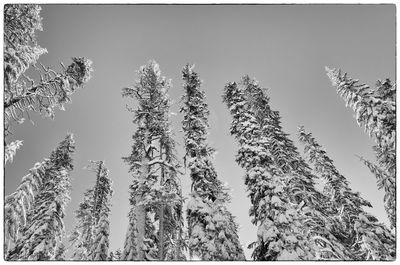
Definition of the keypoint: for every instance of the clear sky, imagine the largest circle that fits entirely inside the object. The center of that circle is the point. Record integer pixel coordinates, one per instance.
(285, 47)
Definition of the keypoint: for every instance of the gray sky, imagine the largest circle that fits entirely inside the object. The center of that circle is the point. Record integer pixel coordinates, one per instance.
(284, 47)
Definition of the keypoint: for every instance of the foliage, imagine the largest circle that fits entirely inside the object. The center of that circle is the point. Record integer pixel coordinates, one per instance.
(20, 45)
(60, 252)
(290, 214)
(375, 112)
(23, 94)
(155, 230)
(53, 90)
(358, 230)
(212, 229)
(44, 226)
(18, 204)
(91, 233)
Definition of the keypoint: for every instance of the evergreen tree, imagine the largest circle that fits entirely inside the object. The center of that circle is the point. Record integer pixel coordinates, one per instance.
(155, 228)
(375, 112)
(285, 205)
(91, 233)
(357, 229)
(45, 227)
(101, 211)
(82, 234)
(53, 90)
(23, 94)
(20, 50)
(20, 45)
(18, 204)
(101, 241)
(212, 229)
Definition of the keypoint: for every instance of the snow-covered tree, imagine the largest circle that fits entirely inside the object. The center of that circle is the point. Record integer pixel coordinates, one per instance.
(20, 45)
(285, 206)
(44, 226)
(91, 233)
(155, 229)
(18, 204)
(101, 242)
(101, 211)
(81, 236)
(20, 50)
(358, 230)
(213, 233)
(52, 91)
(21, 93)
(375, 110)
(49, 89)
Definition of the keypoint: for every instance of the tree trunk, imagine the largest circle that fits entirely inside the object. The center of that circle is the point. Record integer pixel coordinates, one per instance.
(161, 251)
(140, 213)
(161, 221)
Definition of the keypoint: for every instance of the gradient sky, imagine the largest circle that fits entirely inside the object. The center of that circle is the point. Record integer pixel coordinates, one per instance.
(285, 47)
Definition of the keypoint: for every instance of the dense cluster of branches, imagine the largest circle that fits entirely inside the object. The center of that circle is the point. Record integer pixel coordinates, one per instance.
(296, 221)
(375, 110)
(22, 93)
(212, 230)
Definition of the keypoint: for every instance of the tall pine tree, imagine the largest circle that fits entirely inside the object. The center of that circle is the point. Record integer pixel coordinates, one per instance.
(44, 227)
(21, 22)
(18, 204)
(23, 94)
(375, 110)
(20, 51)
(91, 233)
(285, 205)
(81, 237)
(212, 230)
(358, 230)
(155, 230)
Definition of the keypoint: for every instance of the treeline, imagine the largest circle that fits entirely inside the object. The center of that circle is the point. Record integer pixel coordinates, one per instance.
(295, 220)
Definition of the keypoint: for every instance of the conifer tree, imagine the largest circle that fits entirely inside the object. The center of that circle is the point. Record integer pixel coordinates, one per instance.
(44, 226)
(53, 90)
(375, 112)
(18, 204)
(101, 242)
(213, 232)
(155, 230)
(81, 236)
(91, 233)
(284, 201)
(358, 230)
(101, 212)
(23, 94)
(284, 154)
(20, 50)
(20, 45)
